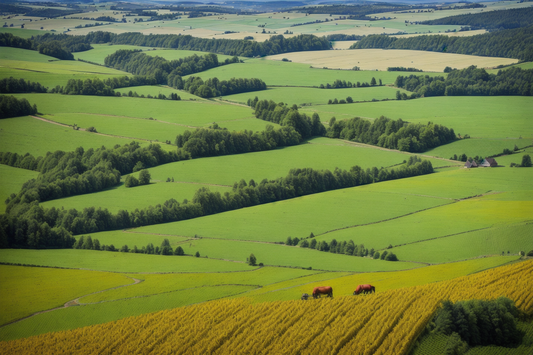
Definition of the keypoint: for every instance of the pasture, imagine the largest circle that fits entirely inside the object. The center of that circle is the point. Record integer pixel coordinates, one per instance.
(319, 153)
(299, 217)
(314, 96)
(117, 261)
(499, 117)
(280, 73)
(381, 59)
(27, 290)
(121, 198)
(30, 135)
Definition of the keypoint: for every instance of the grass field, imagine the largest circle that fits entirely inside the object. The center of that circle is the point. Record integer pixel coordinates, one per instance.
(299, 217)
(27, 290)
(313, 96)
(117, 262)
(121, 198)
(321, 153)
(277, 72)
(155, 90)
(29, 135)
(11, 180)
(479, 146)
(381, 59)
(498, 117)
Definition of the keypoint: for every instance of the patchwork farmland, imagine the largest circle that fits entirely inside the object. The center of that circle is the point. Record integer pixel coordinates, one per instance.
(181, 178)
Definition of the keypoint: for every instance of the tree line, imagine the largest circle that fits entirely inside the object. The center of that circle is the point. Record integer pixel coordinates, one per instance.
(393, 134)
(10, 106)
(284, 115)
(12, 85)
(65, 174)
(88, 243)
(493, 20)
(343, 84)
(274, 45)
(214, 87)
(477, 323)
(511, 43)
(29, 225)
(344, 247)
(470, 81)
(215, 141)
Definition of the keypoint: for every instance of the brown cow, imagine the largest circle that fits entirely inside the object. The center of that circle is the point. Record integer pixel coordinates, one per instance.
(365, 289)
(322, 290)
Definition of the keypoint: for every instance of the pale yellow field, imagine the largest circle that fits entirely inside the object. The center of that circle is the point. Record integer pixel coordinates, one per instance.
(381, 59)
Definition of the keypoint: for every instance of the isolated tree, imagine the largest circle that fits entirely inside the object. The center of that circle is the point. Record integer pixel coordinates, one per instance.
(526, 161)
(197, 254)
(288, 241)
(144, 177)
(251, 260)
(131, 181)
(179, 251)
(313, 244)
(376, 255)
(373, 81)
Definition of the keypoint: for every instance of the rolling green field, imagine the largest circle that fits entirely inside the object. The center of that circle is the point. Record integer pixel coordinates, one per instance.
(29, 135)
(296, 74)
(117, 262)
(121, 198)
(500, 117)
(448, 224)
(313, 96)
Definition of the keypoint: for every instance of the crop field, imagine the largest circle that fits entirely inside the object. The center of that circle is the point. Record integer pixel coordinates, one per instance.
(121, 198)
(11, 179)
(381, 59)
(314, 96)
(55, 287)
(389, 320)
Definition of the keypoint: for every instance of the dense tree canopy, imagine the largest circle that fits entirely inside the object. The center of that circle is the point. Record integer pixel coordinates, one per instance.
(501, 19)
(471, 81)
(10, 106)
(512, 43)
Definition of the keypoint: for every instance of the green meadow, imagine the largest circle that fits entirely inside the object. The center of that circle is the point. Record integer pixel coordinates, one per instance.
(122, 198)
(188, 113)
(509, 239)
(101, 51)
(319, 153)
(116, 261)
(29, 135)
(18, 298)
(11, 179)
(314, 96)
(500, 117)
(299, 217)
(155, 90)
(274, 72)
(478, 146)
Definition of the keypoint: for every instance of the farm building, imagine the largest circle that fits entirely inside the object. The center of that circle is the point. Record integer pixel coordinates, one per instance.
(471, 164)
(488, 162)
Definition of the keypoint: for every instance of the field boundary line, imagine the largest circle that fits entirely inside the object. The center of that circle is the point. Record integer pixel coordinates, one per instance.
(386, 220)
(190, 182)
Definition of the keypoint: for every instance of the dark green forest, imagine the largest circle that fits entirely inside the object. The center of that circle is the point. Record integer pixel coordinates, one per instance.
(387, 133)
(511, 43)
(10, 106)
(470, 81)
(501, 19)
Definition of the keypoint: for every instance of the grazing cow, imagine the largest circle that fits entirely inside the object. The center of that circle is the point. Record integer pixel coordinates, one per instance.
(322, 290)
(364, 289)
(305, 296)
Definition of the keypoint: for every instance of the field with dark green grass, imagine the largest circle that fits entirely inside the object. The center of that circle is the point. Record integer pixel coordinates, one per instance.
(450, 223)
